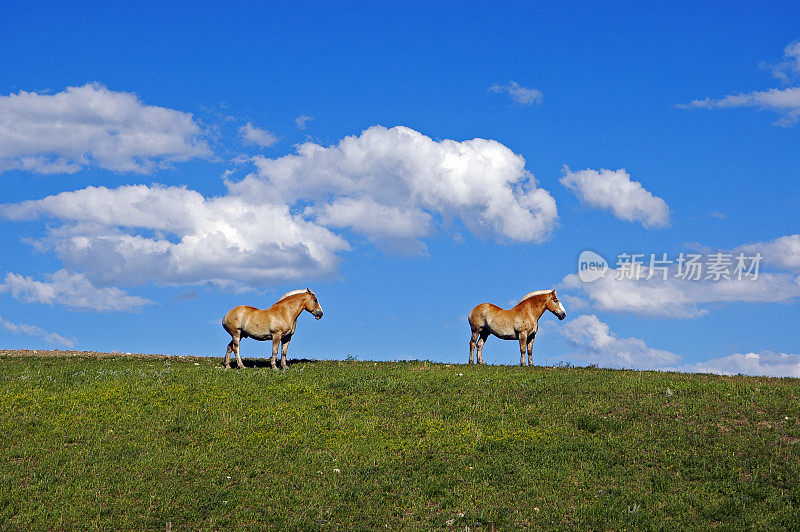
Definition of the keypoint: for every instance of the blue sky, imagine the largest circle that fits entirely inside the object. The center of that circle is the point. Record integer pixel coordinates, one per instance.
(407, 163)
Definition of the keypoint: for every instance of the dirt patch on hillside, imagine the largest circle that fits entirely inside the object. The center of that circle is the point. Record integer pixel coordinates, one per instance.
(91, 354)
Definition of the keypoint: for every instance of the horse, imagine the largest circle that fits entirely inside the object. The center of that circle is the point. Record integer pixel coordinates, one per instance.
(277, 323)
(518, 323)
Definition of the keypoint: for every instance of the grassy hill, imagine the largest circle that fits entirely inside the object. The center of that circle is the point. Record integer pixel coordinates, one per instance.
(128, 442)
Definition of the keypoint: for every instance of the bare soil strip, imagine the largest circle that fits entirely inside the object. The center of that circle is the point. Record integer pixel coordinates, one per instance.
(90, 354)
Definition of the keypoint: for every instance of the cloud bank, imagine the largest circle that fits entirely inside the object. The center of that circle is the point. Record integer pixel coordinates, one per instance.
(764, 363)
(392, 185)
(288, 220)
(132, 235)
(32, 330)
(71, 290)
(93, 126)
(593, 342)
(783, 252)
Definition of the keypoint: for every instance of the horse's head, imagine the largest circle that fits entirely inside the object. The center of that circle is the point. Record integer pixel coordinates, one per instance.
(555, 306)
(312, 305)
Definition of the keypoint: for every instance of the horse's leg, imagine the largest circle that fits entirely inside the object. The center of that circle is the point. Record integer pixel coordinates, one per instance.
(232, 346)
(238, 357)
(472, 341)
(530, 349)
(523, 343)
(479, 345)
(284, 349)
(276, 342)
(228, 355)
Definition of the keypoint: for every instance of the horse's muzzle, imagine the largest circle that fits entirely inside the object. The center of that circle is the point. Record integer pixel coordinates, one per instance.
(561, 315)
(318, 314)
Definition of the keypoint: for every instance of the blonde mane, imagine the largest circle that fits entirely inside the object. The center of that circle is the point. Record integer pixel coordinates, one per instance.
(294, 293)
(531, 294)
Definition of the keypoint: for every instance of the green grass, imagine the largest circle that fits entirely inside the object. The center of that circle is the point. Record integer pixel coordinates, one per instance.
(135, 443)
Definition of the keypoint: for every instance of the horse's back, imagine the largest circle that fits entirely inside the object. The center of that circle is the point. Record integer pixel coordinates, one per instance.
(481, 314)
(236, 316)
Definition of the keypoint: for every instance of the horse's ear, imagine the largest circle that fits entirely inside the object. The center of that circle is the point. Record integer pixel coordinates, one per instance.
(308, 290)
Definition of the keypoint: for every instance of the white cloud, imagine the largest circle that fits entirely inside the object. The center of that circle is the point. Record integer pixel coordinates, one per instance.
(71, 290)
(518, 93)
(364, 181)
(783, 252)
(765, 363)
(789, 68)
(783, 101)
(259, 137)
(93, 126)
(138, 234)
(595, 343)
(302, 121)
(615, 192)
(32, 330)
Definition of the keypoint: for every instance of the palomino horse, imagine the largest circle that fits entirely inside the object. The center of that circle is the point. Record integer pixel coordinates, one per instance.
(518, 323)
(277, 323)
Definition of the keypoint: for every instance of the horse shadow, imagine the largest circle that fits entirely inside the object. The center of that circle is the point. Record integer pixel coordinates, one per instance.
(259, 363)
